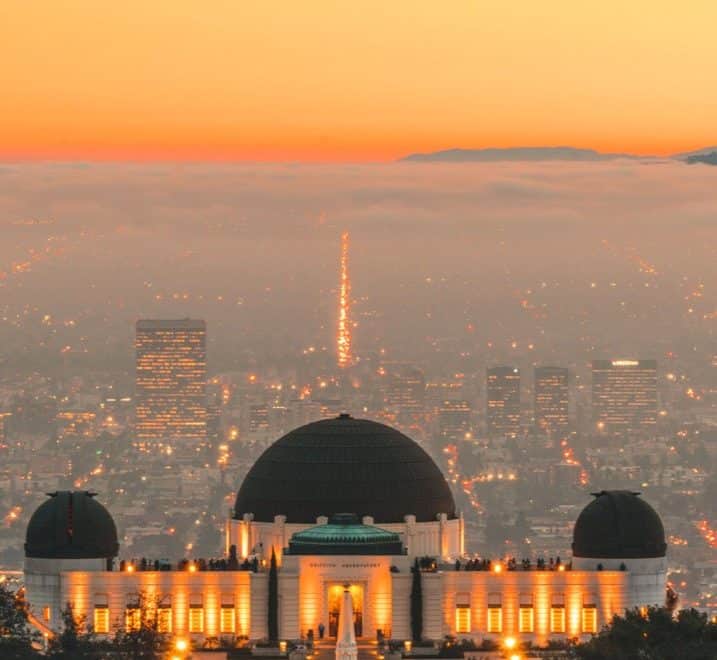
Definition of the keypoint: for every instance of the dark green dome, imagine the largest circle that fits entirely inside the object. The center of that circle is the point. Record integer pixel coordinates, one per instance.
(345, 535)
(344, 464)
(71, 525)
(618, 524)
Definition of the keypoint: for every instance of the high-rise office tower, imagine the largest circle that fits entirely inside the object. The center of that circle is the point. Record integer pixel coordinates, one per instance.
(438, 391)
(624, 395)
(405, 389)
(454, 419)
(258, 417)
(171, 380)
(503, 402)
(551, 400)
(3, 427)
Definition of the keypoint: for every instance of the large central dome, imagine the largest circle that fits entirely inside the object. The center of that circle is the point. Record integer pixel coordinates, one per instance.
(344, 465)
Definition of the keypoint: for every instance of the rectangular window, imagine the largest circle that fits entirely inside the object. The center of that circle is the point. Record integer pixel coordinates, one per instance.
(589, 619)
(132, 619)
(526, 619)
(101, 620)
(227, 621)
(164, 619)
(495, 619)
(196, 619)
(46, 613)
(557, 619)
(463, 619)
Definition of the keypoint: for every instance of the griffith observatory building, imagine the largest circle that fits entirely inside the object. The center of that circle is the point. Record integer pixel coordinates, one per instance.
(343, 502)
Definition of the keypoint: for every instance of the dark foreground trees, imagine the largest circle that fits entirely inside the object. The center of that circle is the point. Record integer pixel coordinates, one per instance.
(138, 637)
(16, 636)
(654, 635)
(416, 603)
(273, 604)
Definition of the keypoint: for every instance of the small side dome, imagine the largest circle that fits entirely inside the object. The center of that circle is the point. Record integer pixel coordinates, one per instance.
(617, 524)
(71, 525)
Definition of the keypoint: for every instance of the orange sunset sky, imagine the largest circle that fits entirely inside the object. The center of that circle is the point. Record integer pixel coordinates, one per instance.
(333, 80)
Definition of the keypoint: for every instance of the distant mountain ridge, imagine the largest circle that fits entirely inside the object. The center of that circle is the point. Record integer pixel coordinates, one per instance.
(536, 154)
(513, 154)
(707, 158)
(705, 151)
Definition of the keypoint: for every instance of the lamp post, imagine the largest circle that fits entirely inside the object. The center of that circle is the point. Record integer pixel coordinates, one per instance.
(510, 645)
(179, 649)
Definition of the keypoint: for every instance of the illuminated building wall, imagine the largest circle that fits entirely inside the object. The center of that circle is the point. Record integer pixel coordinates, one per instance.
(551, 400)
(258, 418)
(535, 606)
(529, 596)
(503, 402)
(624, 395)
(443, 390)
(177, 592)
(3, 419)
(405, 388)
(454, 419)
(171, 380)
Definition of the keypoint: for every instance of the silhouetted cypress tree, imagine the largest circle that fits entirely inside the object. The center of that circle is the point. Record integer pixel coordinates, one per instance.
(416, 604)
(273, 608)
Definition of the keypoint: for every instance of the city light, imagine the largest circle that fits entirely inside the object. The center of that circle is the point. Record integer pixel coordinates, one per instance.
(343, 339)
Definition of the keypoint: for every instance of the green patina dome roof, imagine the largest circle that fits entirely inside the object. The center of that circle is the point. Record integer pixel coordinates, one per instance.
(345, 535)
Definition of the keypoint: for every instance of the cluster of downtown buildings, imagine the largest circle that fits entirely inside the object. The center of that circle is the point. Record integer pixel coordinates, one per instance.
(171, 394)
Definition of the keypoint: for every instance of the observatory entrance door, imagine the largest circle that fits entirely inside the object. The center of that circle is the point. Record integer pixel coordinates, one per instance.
(335, 596)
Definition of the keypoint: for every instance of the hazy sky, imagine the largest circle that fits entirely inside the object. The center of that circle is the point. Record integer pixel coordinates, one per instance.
(347, 80)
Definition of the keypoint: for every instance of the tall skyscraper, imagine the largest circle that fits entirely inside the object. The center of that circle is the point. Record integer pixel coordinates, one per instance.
(171, 380)
(405, 389)
(454, 419)
(503, 402)
(624, 395)
(551, 400)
